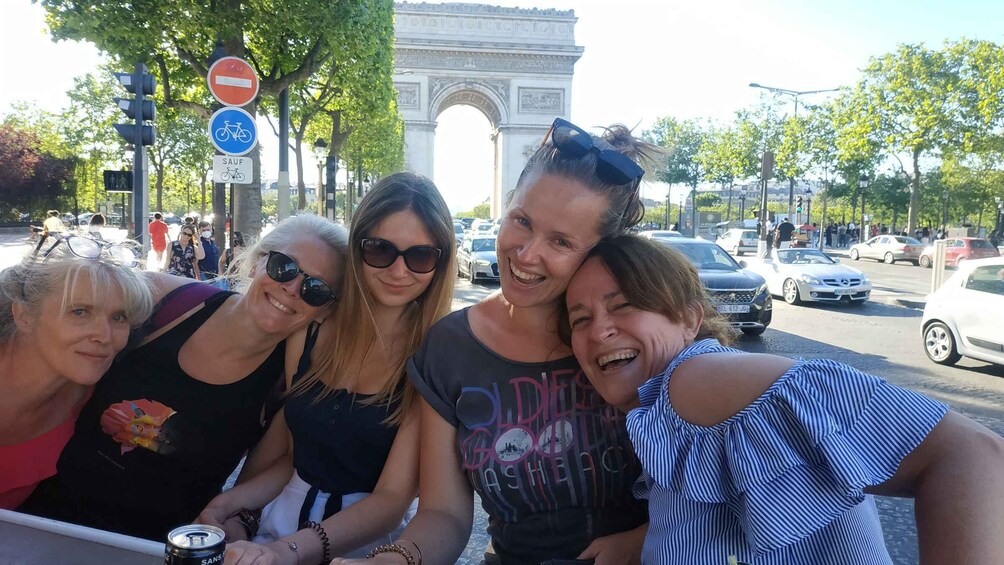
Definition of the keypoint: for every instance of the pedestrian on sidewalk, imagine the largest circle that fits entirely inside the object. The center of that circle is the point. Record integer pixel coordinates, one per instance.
(94, 226)
(761, 458)
(185, 255)
(209, 265)
(784, 231)
(158, 237)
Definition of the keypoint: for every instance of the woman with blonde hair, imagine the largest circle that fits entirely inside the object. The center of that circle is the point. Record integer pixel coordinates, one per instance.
(344, 468)
(63, 319)
(173, 417)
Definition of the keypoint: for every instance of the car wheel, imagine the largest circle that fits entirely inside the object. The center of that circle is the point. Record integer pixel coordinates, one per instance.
(753, 331)
(939, 344)
(855, 255)
(888, 259)
(925, 261)
(790, 292)
(960, 261)
(470, 270)
(736, 252)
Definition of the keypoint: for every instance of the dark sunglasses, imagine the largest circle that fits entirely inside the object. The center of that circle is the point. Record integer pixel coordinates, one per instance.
(380, 254)
(612, 166)
(282, 268)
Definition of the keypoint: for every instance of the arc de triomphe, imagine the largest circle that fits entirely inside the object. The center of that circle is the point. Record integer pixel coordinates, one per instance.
(515, 65)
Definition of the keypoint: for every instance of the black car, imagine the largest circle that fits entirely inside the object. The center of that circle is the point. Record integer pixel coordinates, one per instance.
(740, 295)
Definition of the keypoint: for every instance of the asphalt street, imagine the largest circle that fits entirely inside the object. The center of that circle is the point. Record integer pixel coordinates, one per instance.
(882, 338)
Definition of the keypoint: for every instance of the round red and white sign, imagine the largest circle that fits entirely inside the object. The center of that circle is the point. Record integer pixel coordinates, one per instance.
(232, 81)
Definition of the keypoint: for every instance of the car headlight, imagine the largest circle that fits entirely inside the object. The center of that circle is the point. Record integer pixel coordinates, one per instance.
(761, 291)
(864, 278)
(809, 279)
(482, 263)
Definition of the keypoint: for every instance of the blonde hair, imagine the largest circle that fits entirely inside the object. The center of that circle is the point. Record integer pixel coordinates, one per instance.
(37, 279)
(355, 331)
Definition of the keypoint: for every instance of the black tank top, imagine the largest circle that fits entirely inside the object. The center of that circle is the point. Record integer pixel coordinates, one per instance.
(154, 445)
(340, 444)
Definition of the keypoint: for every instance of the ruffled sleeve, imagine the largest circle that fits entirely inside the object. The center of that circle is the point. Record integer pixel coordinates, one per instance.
(794, 460)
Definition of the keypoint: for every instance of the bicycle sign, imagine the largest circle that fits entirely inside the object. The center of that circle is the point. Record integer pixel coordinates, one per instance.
(233, 131)
(236, 170)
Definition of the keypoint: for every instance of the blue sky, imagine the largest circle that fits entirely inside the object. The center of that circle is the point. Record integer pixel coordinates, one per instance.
(642, 60)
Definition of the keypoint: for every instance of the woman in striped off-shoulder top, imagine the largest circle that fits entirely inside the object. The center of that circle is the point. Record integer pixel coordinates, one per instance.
(761, 459)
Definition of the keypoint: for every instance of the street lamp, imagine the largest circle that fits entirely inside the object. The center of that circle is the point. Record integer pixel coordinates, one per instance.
(863, 184)
(794, 94)
(944, 212)
(742, 206)
(321, 153)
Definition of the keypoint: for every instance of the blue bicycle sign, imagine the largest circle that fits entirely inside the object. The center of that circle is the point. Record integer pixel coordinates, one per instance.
(233, 131)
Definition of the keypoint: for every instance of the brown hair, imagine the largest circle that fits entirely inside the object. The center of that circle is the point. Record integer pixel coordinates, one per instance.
(625, 209)
(658, 279)
(355, 330)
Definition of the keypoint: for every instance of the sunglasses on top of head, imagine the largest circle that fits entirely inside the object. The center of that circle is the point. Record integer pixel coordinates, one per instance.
(282, 268)
(612, 166)
(380, 254)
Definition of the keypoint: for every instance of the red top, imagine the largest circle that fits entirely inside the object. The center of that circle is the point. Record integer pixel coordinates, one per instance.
(158, 235)
(24, 465)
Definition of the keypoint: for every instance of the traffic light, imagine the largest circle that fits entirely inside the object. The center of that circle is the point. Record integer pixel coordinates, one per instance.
(798, 205)
(140, 109)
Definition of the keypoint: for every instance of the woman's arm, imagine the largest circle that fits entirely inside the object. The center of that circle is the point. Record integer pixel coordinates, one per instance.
(442, 525)
(200, 251)
(956, 476)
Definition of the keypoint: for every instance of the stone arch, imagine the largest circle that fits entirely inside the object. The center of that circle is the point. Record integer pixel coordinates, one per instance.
(514, 65)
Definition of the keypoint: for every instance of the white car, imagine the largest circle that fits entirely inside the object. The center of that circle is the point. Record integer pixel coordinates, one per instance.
(738, 241)
(809, 275)
(659, 234)
(964, 316)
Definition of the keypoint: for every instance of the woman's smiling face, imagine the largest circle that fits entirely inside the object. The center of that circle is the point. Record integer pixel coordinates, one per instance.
(618, 345)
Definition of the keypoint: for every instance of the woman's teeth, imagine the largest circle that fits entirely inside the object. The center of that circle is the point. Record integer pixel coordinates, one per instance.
(613, 360)
(525, 277)
(279, 306)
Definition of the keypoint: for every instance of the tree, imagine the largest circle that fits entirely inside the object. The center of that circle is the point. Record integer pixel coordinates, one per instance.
(30, 179)
(285, 41)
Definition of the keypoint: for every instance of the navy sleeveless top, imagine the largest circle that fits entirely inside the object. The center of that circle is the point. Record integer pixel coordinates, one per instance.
(153, 445)
(340, 443)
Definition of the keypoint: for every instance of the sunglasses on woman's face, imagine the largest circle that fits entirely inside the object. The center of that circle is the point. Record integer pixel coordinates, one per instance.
(380, 254)
(612, 166)
(282, 268)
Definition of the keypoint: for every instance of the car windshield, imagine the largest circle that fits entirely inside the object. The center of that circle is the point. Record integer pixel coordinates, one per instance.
(483, 244)
(706, 257)
(803, 257)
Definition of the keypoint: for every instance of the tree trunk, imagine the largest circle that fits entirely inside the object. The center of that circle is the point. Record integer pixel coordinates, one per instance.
(911, 220)
(728, 209)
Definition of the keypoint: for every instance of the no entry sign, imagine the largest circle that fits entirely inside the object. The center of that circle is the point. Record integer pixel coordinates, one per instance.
(232, 81)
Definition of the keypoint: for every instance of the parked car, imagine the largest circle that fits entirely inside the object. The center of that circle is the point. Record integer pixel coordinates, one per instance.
(738, 241)
(481, 227)
(458, 233)
(888, 248)
(466, 223)
(809, 275)
(476, 259)
(659, 234)
(963, 317)
(960, 249)
(741, 295)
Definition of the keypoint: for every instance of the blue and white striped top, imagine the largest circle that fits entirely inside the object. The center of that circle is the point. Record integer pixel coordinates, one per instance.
(779, 483)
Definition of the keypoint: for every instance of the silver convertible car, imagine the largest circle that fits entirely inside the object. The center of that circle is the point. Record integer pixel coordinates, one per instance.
(809, 275)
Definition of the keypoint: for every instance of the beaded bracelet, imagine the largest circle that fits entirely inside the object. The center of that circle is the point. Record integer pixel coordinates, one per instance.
(325, 543)
(418, 550)
(392, 548)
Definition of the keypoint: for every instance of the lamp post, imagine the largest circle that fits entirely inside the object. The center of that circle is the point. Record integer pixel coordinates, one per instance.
(679, 213)
(944, 212)
(863, 183)
(794, 94)
(742, 205)
(667, 210)
(321, 153)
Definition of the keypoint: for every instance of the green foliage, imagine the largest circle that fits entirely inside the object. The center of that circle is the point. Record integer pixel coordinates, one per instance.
(683, 139)
(31, 179)
(482, 212)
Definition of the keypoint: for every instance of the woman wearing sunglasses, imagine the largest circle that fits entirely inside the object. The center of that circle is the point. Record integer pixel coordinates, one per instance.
(63, 318)
(506, 410)
(348, 472)
(183, 260)
(173, 417)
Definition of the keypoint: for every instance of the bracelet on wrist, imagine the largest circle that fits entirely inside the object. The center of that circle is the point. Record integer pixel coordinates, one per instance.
(325, 543)
(418, 550)
(392, 548)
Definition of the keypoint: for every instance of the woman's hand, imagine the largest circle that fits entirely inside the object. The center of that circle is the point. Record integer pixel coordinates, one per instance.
(623, 548)
(247, 553)
(218, 514)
